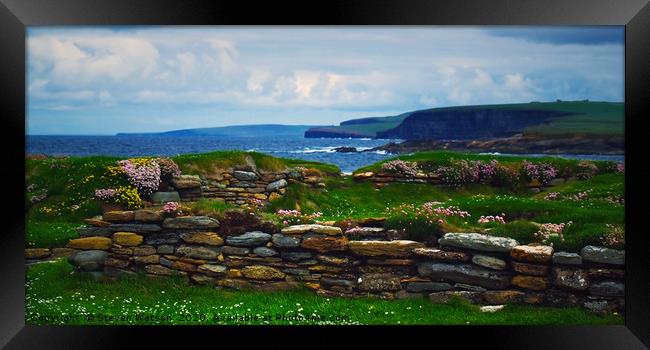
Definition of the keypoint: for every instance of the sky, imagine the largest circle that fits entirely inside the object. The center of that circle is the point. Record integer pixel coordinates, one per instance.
(105, 80)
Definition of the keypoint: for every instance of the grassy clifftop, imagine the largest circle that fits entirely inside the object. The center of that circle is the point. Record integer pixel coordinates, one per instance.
(582, 117)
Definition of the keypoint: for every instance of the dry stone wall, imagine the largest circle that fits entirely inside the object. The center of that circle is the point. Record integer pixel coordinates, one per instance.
(235, 186)
(235, 253)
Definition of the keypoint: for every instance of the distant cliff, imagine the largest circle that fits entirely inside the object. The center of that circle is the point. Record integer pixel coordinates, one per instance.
(464, 124)
(335, 132)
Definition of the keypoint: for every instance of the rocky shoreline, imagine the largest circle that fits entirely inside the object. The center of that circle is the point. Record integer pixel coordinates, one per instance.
(518, 144)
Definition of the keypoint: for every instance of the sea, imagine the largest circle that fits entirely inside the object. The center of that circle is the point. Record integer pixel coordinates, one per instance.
(297, 147)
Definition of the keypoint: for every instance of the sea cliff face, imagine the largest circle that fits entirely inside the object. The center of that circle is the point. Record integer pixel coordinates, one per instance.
(467, 124)
(333, 132)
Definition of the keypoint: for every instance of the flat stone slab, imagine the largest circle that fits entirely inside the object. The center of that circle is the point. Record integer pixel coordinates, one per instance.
(532, 254)
(249, 239)
(602, 255)
(398, 248)
(477, 241)
(191, 222)
(88, 260)
(607, 289)
(489, 261)
(244, 175)
(566, 258)
(465, 273)
(322, 229)
(89, 231)
(438, 254)
(276, 185)
(137, 228)
(571, 278)
(282, 241)
(420, 287)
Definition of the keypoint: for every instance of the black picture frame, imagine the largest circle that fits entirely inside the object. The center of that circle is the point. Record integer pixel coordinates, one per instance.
(16, 15)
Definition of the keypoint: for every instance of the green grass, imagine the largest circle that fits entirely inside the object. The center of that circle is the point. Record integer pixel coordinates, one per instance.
(48, 234)
(52, 290)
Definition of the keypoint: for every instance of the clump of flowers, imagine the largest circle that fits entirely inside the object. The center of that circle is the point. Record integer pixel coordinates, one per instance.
(296, 217)
(541, 172)
(462, 172)
(142, 173)
(501, 219)
(550, 230)
(400, 167)
(253, 204)
(620, 167)
(505, 176)
(168, 169)
(171, 207)
(586, 170)
(552, 196)
(580, 196)
(126, 196)
(614, 237)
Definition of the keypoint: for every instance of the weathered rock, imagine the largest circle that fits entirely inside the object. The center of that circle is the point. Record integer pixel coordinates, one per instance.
(565, 258)
(399, 248)
(183, 266)
(101, 243)
(128, 239)
(477, 241)
(491, 308)
(145, 215)
(489, 262)
(90, 231)
(158, 270)
(602, 255)
(208, 238)
(165, 249)
(322, 229)
(326, 282)
(607, 289)
(324, 244)
(143, 250)
(443, 255)
(88, 260)
(470, 287)
(97, 222)
(365, 231)
(419, 287)
(119, 216)
(570, 278)
(165, 262)
(295, 256)
(446, 296)
(560, 298)
(277, 286)
(402, 294)
(503, 296)
(276, 185)
(198, 252)
(533, 254)
(264, 251)
(333, 260)
(62, 252)
(379, 282)
(260, 272)
(363, 176)
(212, 270)
(162, 238)
(601, 306)
(117, 263)
(398, 262)
(244, 175)
(465, 273)
(191, 223)
(606, 273)
(282, 241)
(37, 253)
(229, 250)
(325, 268)
(531, 282)
(186, 181)
(137, 228)
(201, 279)
(372, 222)
(164, 197)
(298, 272)
(530, 269)
(249, 239)
(147, 259)
(233, 283)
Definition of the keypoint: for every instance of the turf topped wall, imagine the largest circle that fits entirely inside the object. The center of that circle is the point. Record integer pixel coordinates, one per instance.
(236, 252)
